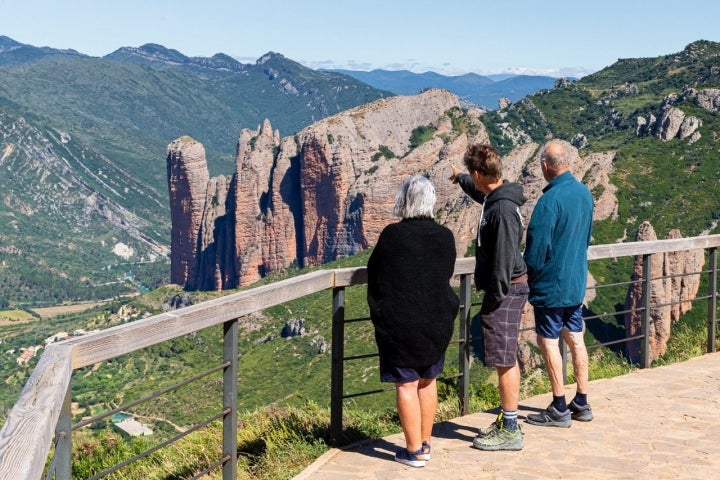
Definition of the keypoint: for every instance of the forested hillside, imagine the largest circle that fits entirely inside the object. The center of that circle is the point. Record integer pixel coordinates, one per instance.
(662, 118)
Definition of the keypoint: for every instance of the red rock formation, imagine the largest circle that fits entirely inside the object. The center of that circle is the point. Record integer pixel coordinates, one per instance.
(187, 183)
(254, 164)
(672, 288)
(326, 192)
(216, 259)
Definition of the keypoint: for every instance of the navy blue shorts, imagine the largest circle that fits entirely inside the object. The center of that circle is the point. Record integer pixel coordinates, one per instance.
(549, 321)
(395, 374)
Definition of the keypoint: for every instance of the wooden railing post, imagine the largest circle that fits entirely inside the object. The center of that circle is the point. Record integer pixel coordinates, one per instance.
(336, 368)
(646, 300)
(712, 300)
(464, 350)
(63, 441)
(230, 394)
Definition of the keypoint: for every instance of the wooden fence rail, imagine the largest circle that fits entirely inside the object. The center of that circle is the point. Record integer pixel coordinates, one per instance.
(37, 417)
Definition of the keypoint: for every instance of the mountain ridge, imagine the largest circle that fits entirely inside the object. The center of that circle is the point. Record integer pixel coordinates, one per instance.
(484, 91)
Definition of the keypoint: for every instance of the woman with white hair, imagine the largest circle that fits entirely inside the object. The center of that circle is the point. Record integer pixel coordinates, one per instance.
(413, 308)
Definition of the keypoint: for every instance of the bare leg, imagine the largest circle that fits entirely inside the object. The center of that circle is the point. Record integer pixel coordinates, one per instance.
(427, 393)
(549, 347)
(408, 405)
(578, 350)
(509, 386)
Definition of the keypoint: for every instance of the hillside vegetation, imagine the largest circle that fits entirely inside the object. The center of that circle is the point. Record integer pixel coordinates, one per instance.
(670, 183)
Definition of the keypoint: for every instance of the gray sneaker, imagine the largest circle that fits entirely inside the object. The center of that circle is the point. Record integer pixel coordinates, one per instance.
(500, 439)
(551, 417)
(581, 414)
(494, 427)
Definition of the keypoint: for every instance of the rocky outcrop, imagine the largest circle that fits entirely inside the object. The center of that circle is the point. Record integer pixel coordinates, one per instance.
(294, 327)
(645, 126)
(672, 289)
(594, 170)
(327, 192)
(672, 122)
(217, 268)
(707, 99)
(322, 194)
(251, 211)
(177, 301)
(187, 183)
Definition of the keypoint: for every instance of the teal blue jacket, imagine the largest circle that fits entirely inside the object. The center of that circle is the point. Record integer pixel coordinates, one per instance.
(557, 238)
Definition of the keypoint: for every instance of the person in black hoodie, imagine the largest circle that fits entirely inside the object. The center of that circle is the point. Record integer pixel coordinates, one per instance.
(501, 273)
(413, 309)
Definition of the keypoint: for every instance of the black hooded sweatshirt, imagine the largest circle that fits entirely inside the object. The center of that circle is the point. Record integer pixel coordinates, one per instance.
(498, 259)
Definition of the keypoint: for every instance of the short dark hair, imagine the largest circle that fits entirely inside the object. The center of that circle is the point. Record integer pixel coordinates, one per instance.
(483, 158)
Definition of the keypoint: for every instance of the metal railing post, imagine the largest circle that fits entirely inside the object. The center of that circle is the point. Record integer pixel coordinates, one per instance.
(646, 300)
(336, 372)
(712, 301)
(464, 350)
(230, 394)
(63, 441)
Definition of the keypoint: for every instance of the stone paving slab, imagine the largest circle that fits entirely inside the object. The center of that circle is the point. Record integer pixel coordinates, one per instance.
(658, 423)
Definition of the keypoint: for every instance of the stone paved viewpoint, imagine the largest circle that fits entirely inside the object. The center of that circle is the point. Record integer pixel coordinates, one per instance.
(658, 423)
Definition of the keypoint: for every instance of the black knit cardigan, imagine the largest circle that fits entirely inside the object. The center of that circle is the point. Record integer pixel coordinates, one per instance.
(412, 305)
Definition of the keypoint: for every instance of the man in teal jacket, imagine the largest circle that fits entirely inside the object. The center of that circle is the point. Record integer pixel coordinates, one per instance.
(558, 235)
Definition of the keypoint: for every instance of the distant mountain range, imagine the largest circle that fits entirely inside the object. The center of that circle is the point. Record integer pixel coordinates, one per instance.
(485, 91)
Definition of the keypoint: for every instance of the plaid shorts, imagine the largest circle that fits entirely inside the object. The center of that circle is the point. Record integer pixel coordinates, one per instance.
(501, 328)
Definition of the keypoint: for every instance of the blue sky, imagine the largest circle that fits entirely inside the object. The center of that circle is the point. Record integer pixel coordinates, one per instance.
(558, 38)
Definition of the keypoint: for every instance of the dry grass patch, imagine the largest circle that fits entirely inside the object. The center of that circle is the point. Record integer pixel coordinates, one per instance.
(47, 312)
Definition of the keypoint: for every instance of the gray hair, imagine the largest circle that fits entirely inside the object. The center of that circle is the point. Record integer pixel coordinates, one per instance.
(555, 155)
(416, 198)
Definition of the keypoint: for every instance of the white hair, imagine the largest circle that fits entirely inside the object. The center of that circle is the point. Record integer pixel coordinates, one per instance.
(416, 198)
